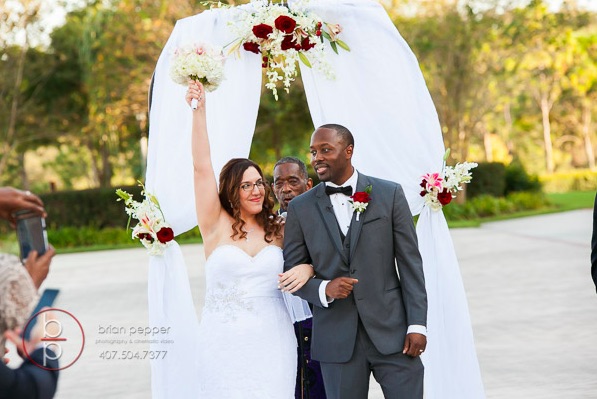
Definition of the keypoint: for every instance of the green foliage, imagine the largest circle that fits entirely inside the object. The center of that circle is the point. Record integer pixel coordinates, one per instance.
(508, 81)
(487, 206)
(89, 236)
(96, 207)
(489, 178)
(517, 179)
(528, 200)
(578, 180)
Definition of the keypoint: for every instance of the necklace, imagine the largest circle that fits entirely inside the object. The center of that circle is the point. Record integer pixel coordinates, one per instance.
(247, 232)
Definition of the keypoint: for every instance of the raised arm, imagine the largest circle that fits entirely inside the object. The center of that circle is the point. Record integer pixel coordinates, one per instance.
(207, 202)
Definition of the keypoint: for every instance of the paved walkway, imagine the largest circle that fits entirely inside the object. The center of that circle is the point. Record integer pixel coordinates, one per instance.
(532, 302)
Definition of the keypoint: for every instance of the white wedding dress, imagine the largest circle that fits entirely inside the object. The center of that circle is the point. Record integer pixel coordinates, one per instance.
(247, 346)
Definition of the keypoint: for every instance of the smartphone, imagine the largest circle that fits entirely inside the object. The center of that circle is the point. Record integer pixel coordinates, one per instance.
(31, 233)
(46, 301)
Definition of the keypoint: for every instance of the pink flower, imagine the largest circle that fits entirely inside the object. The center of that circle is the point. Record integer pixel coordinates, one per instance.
(433, 180)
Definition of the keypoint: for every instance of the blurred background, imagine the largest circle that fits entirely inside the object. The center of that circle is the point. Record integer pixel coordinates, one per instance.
(514, 83)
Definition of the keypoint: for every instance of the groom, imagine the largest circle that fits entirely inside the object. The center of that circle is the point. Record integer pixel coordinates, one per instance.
(368, 315)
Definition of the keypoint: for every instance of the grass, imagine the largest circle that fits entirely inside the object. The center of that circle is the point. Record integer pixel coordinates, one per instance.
(561, 202)
(572, 200)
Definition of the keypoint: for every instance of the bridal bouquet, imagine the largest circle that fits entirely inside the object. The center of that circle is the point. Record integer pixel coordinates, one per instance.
(440, 188)
(283, 36)
(200, 62)
(152, 230)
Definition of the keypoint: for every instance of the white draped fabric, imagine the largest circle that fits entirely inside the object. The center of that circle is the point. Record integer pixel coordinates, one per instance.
(379, 93)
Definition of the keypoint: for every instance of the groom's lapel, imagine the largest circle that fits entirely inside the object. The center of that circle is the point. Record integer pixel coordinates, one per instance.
(355, 227)
(329, 219)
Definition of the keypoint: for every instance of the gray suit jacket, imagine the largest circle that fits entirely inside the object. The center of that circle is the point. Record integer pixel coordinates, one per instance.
(387, 302)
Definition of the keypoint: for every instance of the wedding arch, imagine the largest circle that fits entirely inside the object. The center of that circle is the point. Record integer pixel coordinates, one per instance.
(379, 93)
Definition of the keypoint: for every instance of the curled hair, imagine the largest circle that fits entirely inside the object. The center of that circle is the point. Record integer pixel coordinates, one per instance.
(230, 180)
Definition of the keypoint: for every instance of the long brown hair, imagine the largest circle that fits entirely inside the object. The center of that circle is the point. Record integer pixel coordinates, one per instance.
(230, 179)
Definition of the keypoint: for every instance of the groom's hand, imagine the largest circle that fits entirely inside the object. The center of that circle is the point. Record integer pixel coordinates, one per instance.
(340, 287)
(414, 344)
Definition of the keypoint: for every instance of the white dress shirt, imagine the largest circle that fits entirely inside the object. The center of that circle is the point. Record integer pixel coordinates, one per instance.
(343, 211)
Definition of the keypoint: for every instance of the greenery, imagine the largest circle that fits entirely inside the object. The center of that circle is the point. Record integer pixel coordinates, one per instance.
(577, 180)
(512, 81)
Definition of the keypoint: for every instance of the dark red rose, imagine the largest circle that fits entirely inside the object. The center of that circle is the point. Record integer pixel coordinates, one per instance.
(445, 197)
(423, 193)
(361, 196)
(285, 24)
(306, 45)
(252, 47)
(288, 43)
(262, 31)
(145, 236)
(165, 234)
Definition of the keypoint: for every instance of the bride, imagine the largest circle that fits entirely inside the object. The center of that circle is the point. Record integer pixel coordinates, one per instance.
(246, 338)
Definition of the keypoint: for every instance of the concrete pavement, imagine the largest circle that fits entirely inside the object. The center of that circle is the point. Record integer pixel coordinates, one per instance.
(532, 302)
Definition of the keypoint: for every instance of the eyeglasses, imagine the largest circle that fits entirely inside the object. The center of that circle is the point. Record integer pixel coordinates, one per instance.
(250, 186)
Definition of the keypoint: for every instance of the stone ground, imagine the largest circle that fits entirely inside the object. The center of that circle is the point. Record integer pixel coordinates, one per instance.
(532, 302)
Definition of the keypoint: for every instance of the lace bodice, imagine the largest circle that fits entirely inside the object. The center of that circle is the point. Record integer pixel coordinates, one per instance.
(234, 278)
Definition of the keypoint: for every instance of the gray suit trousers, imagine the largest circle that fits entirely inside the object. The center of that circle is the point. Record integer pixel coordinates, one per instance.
(400, 376)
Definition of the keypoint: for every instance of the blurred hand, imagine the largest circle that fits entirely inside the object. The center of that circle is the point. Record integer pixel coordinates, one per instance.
(37, 334)
(292, 280)
(13, 200)
(39, 266)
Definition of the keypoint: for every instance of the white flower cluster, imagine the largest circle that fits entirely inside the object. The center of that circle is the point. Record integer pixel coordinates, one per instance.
(200, 62)
(152, 230)
(455, 176)
(279, 55)
(438, 189)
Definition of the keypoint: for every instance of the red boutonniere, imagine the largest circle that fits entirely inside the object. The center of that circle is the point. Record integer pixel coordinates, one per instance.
(360, 200)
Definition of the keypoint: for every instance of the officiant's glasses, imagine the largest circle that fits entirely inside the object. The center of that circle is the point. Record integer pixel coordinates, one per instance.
(249, 186)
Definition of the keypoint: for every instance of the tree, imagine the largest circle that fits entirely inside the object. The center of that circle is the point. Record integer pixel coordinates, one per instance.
(20, 53)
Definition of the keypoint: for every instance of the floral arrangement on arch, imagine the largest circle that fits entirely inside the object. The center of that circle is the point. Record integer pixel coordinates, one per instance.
(152, 230)
(283, 36)
(440, 188)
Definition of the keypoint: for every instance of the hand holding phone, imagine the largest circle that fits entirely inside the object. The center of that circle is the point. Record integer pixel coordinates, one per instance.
(31, 232)
(38, 267)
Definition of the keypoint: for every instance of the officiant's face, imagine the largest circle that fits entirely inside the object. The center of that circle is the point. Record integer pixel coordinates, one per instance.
(330, 156)
(289, 182)
(251, 192)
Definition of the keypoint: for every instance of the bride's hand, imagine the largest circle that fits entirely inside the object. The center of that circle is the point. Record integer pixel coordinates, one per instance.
(196, 91)
(295, 278)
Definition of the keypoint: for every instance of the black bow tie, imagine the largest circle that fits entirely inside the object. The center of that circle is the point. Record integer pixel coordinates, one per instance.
(329, 190)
